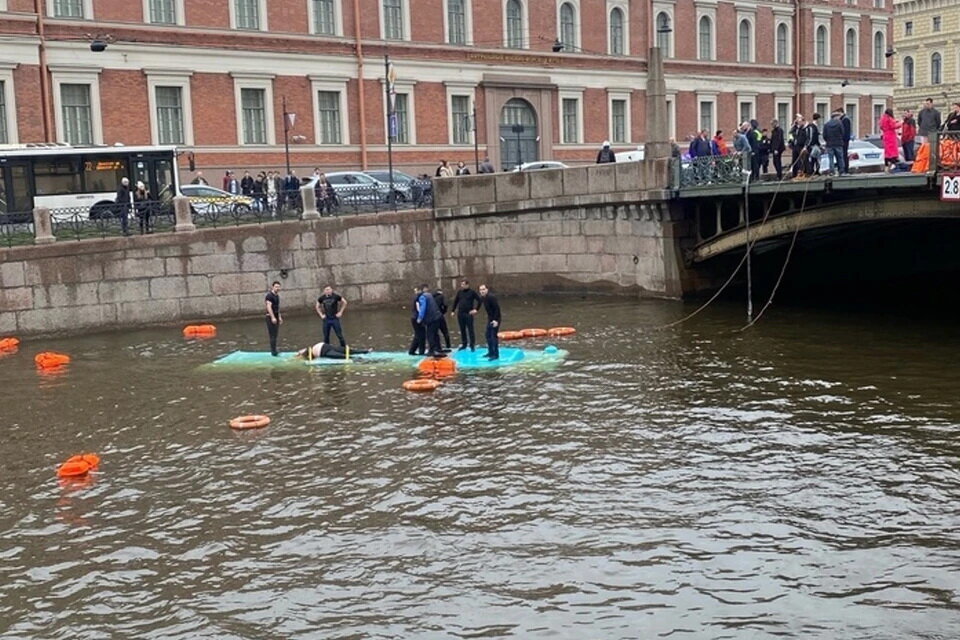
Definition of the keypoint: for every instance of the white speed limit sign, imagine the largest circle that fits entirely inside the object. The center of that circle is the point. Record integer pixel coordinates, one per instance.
(950, 190)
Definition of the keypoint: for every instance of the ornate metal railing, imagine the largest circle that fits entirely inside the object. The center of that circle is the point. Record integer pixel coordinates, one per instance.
(102, 221)
(16, 228)
(237, 210)
(710, 170)
(948, 151)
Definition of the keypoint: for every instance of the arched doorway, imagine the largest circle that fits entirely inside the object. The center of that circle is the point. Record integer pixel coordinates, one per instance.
(518, 133)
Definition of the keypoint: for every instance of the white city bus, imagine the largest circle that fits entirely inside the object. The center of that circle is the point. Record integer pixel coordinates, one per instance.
(73, 181)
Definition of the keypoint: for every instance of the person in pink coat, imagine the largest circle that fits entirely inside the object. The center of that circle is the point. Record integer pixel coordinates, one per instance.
(888, 132)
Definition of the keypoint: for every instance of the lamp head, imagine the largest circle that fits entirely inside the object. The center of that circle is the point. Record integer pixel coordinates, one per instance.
(557, 46)
(98, 45)
(889, 53)
(845, 83)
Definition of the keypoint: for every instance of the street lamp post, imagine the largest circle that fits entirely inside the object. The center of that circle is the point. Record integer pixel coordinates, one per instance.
(476, 141)
(286, 133)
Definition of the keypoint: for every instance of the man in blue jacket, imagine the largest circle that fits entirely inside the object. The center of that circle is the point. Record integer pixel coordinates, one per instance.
(428, 315)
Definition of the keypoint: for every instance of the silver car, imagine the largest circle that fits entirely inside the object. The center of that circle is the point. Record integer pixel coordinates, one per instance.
(354, 188)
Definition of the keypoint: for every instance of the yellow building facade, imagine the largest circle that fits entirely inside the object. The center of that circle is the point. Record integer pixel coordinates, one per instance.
(927, 58)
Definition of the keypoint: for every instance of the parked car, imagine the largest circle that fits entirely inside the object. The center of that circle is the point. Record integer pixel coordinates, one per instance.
(205, 198)
(412, 189)
(354, 188)
(540, 164)
(864, 158)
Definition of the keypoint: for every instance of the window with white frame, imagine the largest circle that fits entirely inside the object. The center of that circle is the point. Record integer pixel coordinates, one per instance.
(706, 115)
(877, 114)
(820, 45)
(68, 9)
(247, 15)
(568, 27)
(783, 44)
(823, 108)
(617, 36)
(329, 118)
(879, 51)
(908, 80)
(515, 25)
(76, 113)
(571, 120)
(850, 48)
(663, 33)
(460, 116)
(936, 69)
(705, 38)
(4, 134)
(746, 111)
(937, 23)
(393, 20)
(783, 113)
(169, 105)
(851, 109)
(253, 107)
(402, 112)
(878, 4)
(457, 21)
(908, 28)
(618, 120)
(163, 12)
(745, 41)
(671, 117)
(324, 17)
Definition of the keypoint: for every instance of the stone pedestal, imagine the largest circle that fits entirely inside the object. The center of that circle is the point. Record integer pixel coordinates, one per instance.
(658, 134)
(309, 198)
(181, 207)
(42, 226)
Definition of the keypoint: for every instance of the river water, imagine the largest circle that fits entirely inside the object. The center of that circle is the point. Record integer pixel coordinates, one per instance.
(799, 480)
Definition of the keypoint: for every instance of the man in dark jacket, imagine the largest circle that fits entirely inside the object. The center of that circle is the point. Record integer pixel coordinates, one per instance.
(812, 165)
(418, 345)
(777, 147)
(428, 315)
(753, 137)
(847, 134)
(833, 141)
(606, 154)
(123, 204)
(442, 323)
(246, 185)
(928, 121)
(492, 307)
(798, 144)
(465, 306)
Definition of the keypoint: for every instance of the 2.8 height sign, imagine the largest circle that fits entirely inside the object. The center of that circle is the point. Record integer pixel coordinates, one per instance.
(950, 189)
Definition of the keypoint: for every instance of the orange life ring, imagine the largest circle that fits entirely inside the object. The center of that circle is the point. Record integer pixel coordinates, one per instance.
(533, 333)
(7, 344)
(510, 335)
(51, 360)
(561, 331)
(195, 330)
(91, 459)
(438, 367)
(421, 384)
(249, 422)
(72, 468)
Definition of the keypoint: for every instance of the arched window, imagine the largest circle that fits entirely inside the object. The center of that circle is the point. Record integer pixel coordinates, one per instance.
(617, 47)
(456, 22)
(908, 71)
(821, 45)
(936, 69)
(515, 26)
(746, 41)
(706, 38)
(850, 48)
(879, 51)
(568, 27)
(782, 44)
(663, 33)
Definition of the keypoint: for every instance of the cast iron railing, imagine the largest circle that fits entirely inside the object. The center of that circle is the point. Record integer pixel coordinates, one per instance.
(102, 221)
(16, 228)
(710, 170)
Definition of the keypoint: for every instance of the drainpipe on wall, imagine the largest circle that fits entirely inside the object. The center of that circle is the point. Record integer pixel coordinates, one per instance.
(796, 58)
(44, 81)
(361, 102)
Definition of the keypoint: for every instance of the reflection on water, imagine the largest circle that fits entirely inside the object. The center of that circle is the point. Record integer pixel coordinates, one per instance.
(799, 480)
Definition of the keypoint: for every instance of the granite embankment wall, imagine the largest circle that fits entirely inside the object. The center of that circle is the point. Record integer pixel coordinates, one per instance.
(523, 235)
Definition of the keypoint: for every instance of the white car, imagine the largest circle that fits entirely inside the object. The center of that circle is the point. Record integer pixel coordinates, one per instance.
(540, 164)
(864, 158)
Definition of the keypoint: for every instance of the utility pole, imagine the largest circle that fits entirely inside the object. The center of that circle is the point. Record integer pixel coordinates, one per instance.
(286, 133)
(393, 126)
(476, 141)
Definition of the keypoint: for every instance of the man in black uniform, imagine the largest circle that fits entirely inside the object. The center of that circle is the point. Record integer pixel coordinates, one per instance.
(274, 319)
(419, 343)
(465, 306)
(442, 325)
(492, 307)
(330, 307)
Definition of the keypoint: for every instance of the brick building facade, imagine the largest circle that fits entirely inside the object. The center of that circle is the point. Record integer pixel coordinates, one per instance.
(928, 53)
(212, 75)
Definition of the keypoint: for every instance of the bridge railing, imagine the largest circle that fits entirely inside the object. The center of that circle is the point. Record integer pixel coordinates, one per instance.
(710, 170)
(946, 151)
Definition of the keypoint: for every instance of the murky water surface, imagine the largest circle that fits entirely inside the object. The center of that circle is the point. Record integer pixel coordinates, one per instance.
(800, 480)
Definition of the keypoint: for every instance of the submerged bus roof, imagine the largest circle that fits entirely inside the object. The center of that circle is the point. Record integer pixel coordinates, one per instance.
(58, 149)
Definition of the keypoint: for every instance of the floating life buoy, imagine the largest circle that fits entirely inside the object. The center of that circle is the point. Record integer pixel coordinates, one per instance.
(438, 367)
(9, 344)
(199, 330)
(249, 422)
(561, 331)
(421, 384)
(91, 459)
(533, 333)
(78, 465)
(510, 335)
(51, 360)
